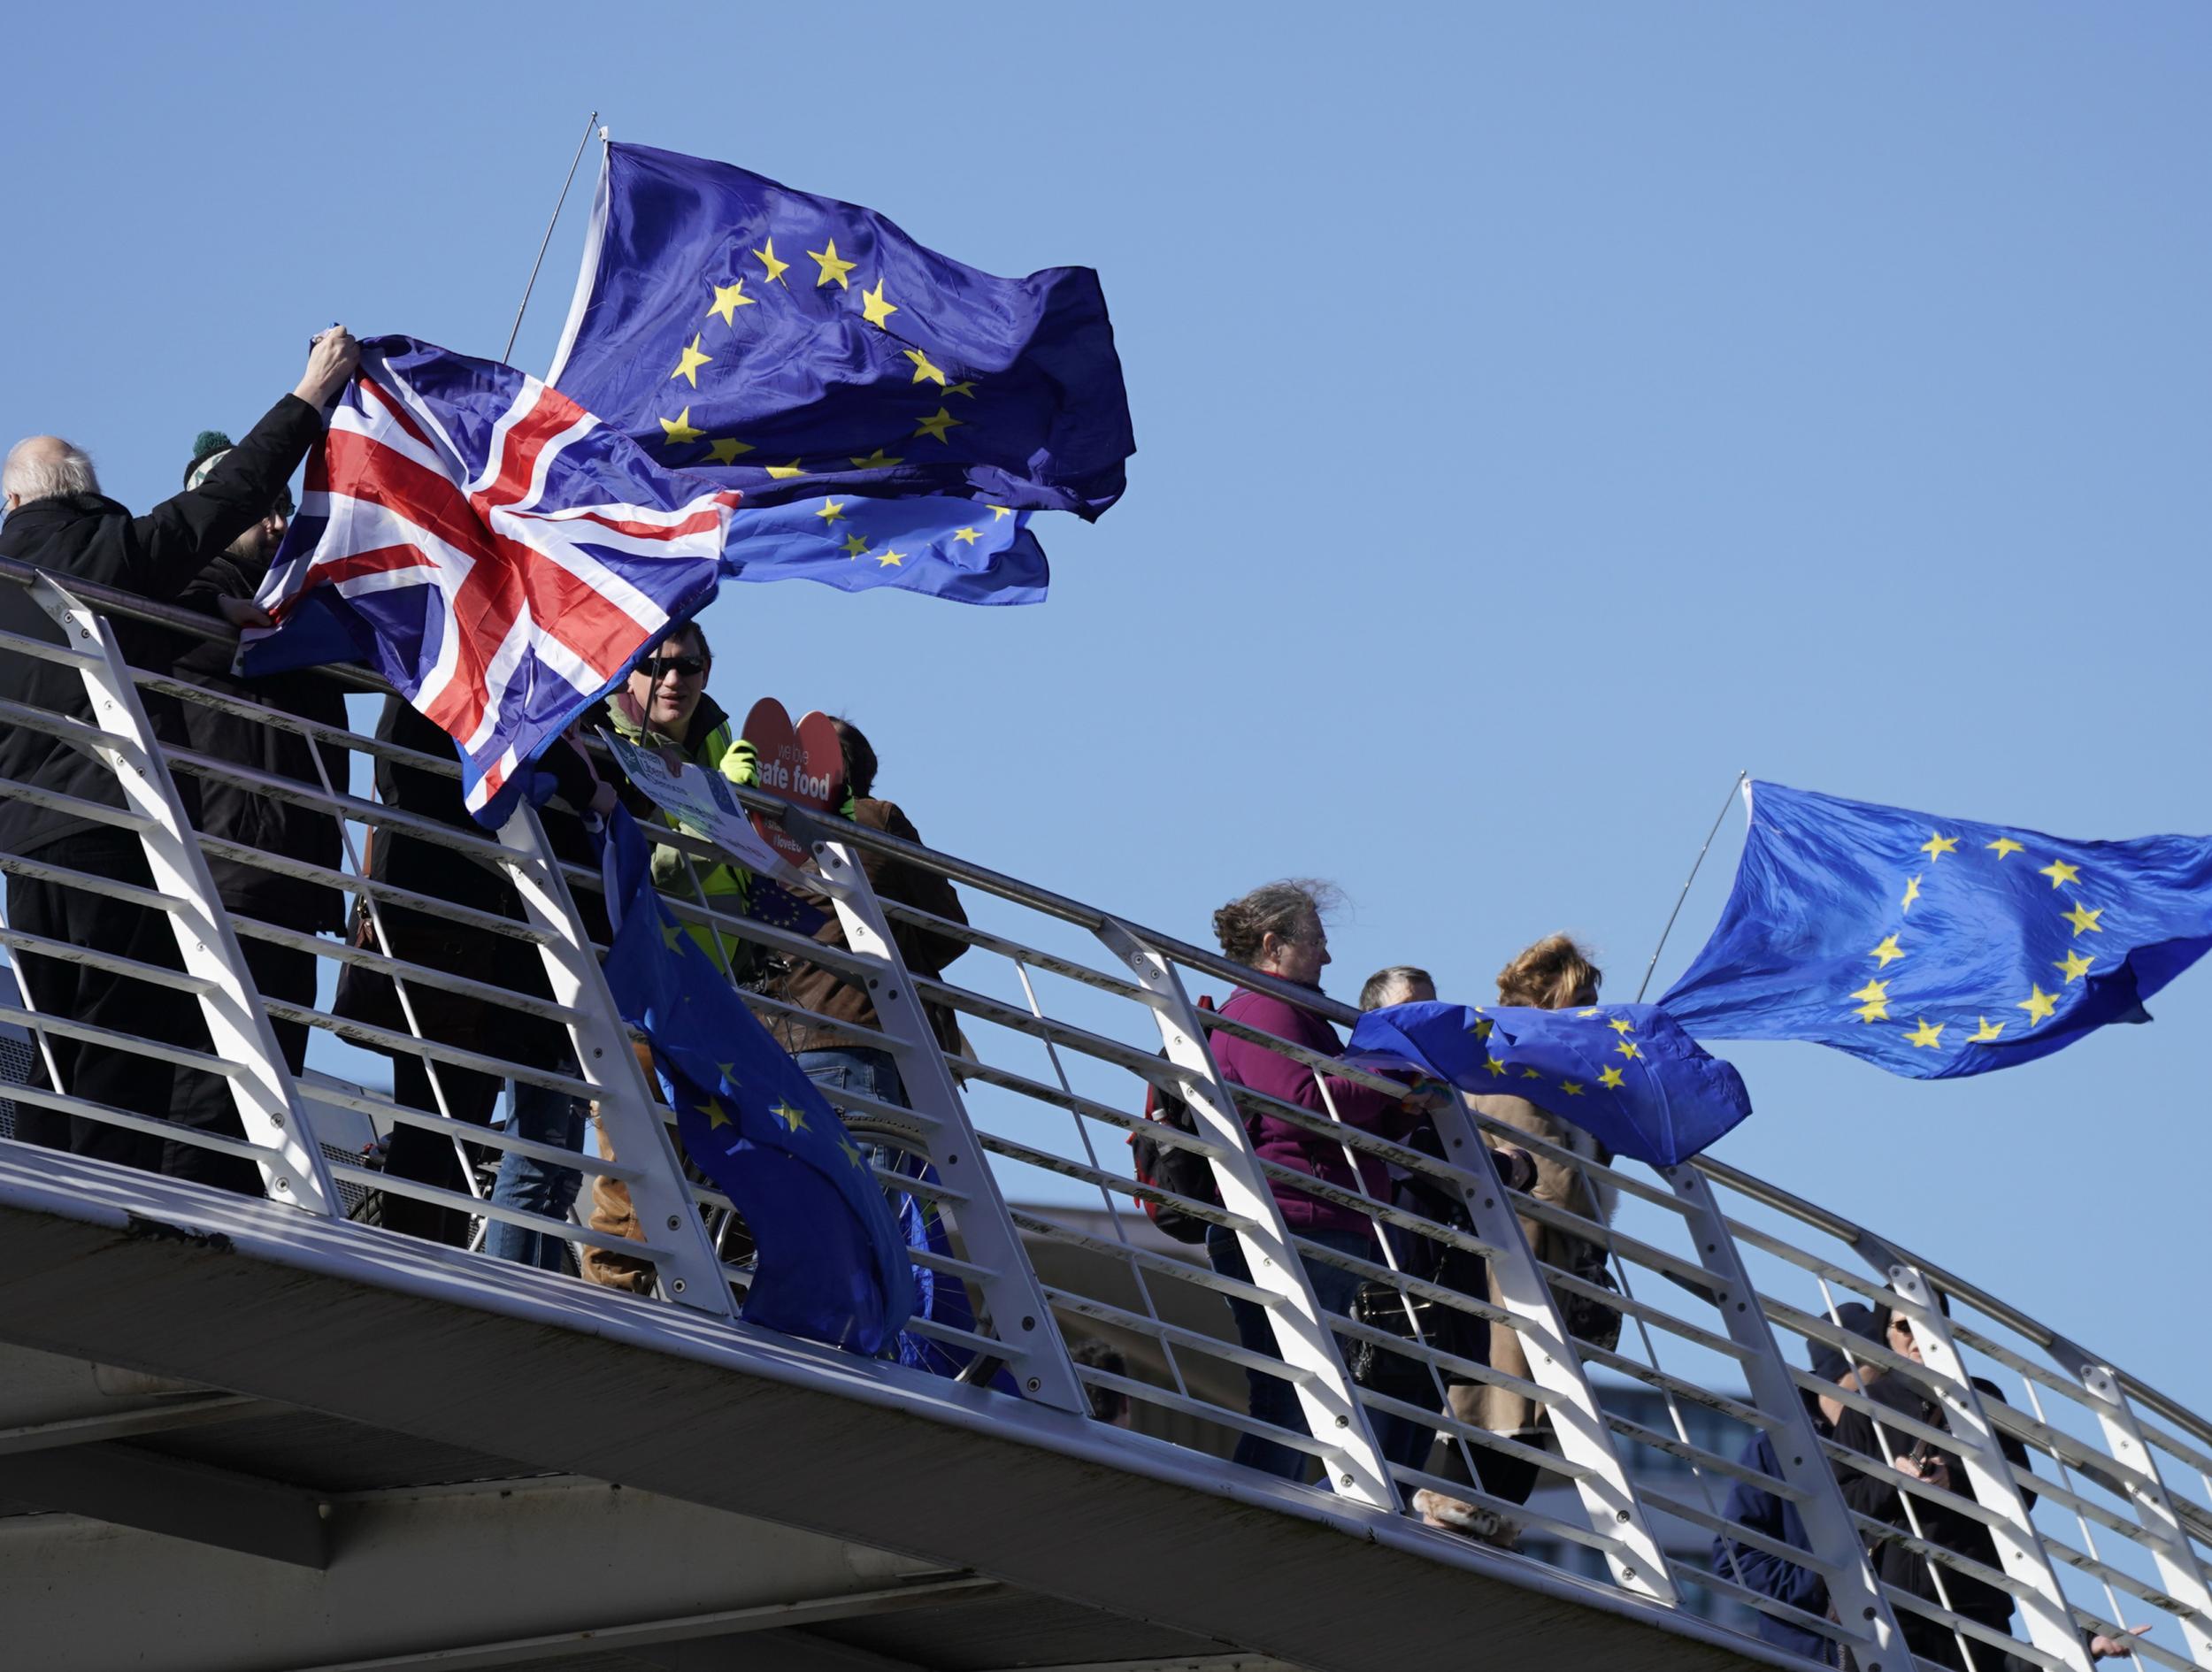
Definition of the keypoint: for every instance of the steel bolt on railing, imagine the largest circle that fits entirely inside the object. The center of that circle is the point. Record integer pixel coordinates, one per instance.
(1707, 1335)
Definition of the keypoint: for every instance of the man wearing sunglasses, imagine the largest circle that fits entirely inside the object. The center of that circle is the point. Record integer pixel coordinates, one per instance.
(664, 704)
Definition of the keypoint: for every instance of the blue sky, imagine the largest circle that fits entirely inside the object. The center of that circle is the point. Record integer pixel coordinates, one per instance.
(1544, 412)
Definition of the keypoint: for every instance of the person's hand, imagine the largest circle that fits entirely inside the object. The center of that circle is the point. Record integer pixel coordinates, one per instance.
(1933, 1471)
(2104, 1648)
(244, 612)
(603, 798)
(1426, 1097)
(330, 359)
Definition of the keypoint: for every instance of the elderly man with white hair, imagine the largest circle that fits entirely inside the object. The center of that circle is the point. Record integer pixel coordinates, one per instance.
(57, 520)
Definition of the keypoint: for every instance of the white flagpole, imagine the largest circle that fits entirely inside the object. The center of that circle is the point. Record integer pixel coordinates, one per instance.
(1741, 779)
(507, 355)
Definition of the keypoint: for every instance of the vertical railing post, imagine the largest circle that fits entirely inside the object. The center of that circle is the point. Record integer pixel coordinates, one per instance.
(2179, 1570)
(2050, 1619)
(1858, 1600)
(262, 1088)
(1327, 1396)
(1608, 1495)
(683, 1257)
(1012, 1301)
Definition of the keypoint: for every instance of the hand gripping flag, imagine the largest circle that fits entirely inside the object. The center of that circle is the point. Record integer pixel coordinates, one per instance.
(1624, 1073)
(832, 1260)
(488, 547)
(1940, 946)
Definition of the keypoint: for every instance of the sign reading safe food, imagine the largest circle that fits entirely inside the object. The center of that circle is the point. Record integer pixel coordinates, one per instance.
(802, 764)
(698, 802)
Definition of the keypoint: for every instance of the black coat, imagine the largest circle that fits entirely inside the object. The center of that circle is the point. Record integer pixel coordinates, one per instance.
(85, 537)
(1873, 1496)
(239, 815)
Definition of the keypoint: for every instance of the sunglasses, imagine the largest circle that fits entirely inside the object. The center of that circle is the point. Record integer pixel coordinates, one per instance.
(684, 667)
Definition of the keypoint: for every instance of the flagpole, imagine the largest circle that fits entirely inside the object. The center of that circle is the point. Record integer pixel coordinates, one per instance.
(507, 353)
(1734, 790)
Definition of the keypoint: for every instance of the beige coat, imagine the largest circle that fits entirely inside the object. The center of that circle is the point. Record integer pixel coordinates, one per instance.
(1499, 1409)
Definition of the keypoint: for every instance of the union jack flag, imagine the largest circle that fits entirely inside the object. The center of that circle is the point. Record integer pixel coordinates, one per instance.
(488, 547)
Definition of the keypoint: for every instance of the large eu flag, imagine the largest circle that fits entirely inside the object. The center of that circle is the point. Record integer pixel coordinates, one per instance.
(1939, 947)
(1624, 1073)
(832, 1260)
(793, 346)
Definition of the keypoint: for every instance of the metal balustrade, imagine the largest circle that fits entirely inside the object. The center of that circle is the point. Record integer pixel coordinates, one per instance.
(1722, 1282)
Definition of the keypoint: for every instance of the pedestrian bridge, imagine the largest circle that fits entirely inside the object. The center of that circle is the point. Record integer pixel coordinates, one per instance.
(252, 1434)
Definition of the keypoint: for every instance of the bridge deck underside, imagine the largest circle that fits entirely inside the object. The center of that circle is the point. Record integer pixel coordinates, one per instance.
(493, 1466)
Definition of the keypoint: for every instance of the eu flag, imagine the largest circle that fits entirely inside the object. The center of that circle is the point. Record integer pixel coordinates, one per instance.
(794, 346)
(832, 1262)
(1627, 1074)
(1939, 947)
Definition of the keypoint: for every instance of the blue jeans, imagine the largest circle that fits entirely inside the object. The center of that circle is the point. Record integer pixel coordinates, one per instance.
(856, 1067)
(1273, 1399)
(533, 1185)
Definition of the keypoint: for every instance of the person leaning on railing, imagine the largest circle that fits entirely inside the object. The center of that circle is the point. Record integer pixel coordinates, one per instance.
(1278, 930)
(59, 521)
(664, 704)
(237, 813)
(1554, 974)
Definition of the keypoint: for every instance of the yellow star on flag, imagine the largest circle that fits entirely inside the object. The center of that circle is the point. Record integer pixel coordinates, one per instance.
(876, 461)
(854, 1154)
(1610, 1078)
(687, 368)
(966, 536)
(1928, 1033)
(726, 450)
(1629, 1049)
(785, 472)
(1571, 1088)
(855, 546)
(1494, 1068)
(1888, 951)
(1985, 1033)
(679, 432)
(766, 256)
(965, 387)
(1937, 845)
(728, 1071)
(795, 1118)
(2082, 918)
(1531, 1074)
(1481, 1029)
(923, 370)
(2059, 872)
(1593, 1010)
(830, 266)
(938, 424)
(728, 299)
(1873, 1002)
(2074, 966)
(2038, 1004)
(832, 511)
(2005, 845)
(1621, 1024)
(1912, 893)
(998, 511)
(712, 1110)
(874, 308)
(672, 936)
(890, 559)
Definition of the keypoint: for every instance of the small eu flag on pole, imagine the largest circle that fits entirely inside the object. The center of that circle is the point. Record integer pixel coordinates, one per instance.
(1624, 1073)
(1940, 946)
(832, 1263)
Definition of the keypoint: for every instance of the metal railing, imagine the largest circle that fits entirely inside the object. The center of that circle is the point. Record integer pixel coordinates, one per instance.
(2081, 1505)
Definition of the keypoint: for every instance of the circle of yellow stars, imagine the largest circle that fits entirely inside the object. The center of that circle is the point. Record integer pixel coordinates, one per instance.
(1873, 1000)
(876, 309)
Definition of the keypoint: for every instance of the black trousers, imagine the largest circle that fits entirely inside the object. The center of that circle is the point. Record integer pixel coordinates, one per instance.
(204, 1100)
(100, 1073)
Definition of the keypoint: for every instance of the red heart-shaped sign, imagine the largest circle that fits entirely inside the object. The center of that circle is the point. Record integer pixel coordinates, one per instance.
(804, 764)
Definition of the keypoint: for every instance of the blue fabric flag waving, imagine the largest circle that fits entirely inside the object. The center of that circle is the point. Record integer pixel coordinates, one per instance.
(832, 1260)
(1940, 946)
(1624, 1073)
(791, 345)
